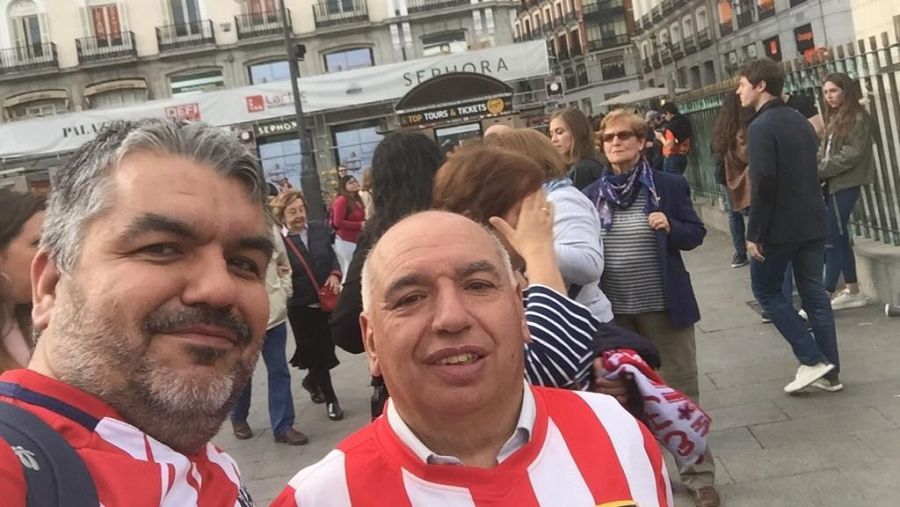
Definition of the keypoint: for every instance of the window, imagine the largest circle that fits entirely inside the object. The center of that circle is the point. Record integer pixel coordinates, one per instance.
(751, 52)
(117, 98)
(725, 16)
(348, 59)
(354, 145)
(772, 48)
(675, 30)
(106, 25)
(687, 27)
(280, 161)
(269, 72)
(197, 82)
(569, 76)
(444, 43)
(581, 71)
(702, 22)
(36, 109)
(795, 3)
(613, 67)
(559, 11)
(26, 29)
(184, 11)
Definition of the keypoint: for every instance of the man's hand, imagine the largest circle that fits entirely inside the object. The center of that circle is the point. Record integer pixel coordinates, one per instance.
(755, 251)
(533, 235)
(618, 388)
(659, 221)
(334, 283)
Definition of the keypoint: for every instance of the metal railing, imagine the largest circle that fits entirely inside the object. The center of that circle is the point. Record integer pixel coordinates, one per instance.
(260, 24)
(414, 6)
(875, 65)
(745, 18)
(185, 35)
(690, 46)
(608, 42)
(764, 12)
(703, 38)
(677, 52)
(601, 7)
(29, 57)
(726, 28)
(648, 66)
(667, 7)
(99, 48)
(340, 12)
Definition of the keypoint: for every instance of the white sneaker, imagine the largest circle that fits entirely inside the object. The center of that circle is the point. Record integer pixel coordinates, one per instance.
(806, 375)
(802, 314)
(845, 300)
(827, 385)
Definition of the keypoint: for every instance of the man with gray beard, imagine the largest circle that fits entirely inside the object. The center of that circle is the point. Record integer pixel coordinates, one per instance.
(150, 307)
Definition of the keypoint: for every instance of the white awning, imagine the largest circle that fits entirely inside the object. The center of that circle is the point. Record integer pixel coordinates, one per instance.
(250, 104)
(639, 96)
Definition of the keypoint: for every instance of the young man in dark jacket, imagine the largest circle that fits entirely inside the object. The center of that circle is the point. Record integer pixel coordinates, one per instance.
(787, 224)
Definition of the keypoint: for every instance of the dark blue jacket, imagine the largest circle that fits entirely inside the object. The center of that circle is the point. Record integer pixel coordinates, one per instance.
(687, 232)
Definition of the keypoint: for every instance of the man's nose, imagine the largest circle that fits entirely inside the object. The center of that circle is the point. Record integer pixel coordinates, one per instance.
(210, 282)
(451, 316)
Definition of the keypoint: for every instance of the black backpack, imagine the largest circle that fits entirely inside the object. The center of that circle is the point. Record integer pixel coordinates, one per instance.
(54, 473)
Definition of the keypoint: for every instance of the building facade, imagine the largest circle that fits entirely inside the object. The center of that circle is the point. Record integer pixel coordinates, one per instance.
(590, 43)
(92, 57)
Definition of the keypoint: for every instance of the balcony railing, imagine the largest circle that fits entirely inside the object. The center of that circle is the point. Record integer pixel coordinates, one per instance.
(638, 29)
(690, 46)
(648, 66)
(765, 12)
(665, 56)
(575, 49)
(340, 12)
(260, 24)
(657, 63)
(570, 17)
(601, 7)
(414, 6)
(106, 47)
(745, 19)
(726, 28)
(645, 20)
(563, 55)
(667, 7)
(607, 42)
(677, 52)
(30, 57)
(703, 38)
(185, 35)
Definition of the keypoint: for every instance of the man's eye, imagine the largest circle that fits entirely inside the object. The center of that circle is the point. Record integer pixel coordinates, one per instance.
(409, 300)
(479, 285)
(246, 265)
(162, 249)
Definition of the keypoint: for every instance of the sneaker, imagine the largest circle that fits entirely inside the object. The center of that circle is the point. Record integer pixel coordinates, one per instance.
(241, 430)
(845, 300)
(806, 375)
(802, 314)
(828, 385)
(765, 318)
(739, 260)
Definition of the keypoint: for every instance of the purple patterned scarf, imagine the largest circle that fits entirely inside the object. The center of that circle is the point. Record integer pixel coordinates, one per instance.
(619, 191)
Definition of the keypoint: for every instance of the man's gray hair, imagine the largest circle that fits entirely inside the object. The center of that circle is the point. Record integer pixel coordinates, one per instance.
(81, 189)
(367, 283)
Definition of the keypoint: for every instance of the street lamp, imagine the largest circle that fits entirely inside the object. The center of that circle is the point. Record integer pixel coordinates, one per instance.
(309, 175)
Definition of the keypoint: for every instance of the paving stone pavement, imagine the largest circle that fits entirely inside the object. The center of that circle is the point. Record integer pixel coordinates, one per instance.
(816, 449)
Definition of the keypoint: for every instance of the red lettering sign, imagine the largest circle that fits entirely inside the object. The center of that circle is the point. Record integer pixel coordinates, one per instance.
(184, 112)
(255, 104)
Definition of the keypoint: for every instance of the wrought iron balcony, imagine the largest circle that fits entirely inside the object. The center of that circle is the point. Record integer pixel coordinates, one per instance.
(703, 38)
(563, 55)
(745, 19)
(185, 35)
(665, 56)
(260, 24)
(340, 12)
(41, 55)
(106, 47)
(645, 20)
(570, 17)
(657, 63)
(599, 8)
(575, 49)
(765, 12)
(726, 28)
(667, 7)
(608, 42)
(677, 52)
(414, 6)
(638, 29)
(648, 65)
(690, 46)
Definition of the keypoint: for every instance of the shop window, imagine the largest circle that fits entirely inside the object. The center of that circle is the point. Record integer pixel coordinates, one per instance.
(269, 72)
(36, 109)
(569, 76)
(582, 73)
(772, 48)
(613, 67)
(280, 161)
(354, 145)
(348, 59)
(117, 98)
(197, 82)
(445, 43)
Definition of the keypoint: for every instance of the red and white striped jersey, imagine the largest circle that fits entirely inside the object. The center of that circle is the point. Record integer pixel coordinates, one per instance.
(585, 450)
(128, 466)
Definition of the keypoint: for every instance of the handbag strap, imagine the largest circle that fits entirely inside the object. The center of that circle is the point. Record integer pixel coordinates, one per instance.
(309, 271)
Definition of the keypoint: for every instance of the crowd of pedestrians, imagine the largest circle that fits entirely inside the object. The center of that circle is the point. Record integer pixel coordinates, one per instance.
(522, 301)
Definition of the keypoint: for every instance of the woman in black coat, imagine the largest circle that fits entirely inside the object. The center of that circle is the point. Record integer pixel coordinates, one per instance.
(309, 250)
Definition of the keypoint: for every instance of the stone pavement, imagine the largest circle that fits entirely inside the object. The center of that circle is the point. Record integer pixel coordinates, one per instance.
(815, 449)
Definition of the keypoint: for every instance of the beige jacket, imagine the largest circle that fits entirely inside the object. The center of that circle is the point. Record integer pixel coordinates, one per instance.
(278, 286)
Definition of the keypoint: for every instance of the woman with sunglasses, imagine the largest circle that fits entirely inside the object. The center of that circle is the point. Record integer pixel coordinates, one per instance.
(646, 220)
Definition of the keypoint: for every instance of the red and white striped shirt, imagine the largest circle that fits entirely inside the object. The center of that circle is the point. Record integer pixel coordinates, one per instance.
(128, 466)
(585, 450)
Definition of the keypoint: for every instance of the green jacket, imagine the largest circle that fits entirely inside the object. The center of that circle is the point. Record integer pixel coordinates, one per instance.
(852, 162)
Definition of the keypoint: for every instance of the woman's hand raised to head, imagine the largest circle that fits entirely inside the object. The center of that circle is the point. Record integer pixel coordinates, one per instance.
(532, 238)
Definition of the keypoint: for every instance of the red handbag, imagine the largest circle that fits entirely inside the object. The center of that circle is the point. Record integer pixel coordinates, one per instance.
(327, 298)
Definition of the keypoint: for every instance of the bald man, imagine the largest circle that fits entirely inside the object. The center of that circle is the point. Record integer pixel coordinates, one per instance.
(443, 323)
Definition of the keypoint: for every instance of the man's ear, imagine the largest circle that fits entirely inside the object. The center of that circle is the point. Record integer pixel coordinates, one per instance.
(761, 86)
(526, 333)
(44, 281)
(368, 337)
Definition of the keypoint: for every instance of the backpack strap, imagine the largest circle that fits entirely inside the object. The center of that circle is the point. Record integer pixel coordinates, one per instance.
(54, 473)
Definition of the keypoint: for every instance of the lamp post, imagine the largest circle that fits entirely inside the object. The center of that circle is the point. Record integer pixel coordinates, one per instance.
(309, 176)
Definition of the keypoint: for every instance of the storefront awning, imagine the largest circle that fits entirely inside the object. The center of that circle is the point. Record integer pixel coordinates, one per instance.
(272, 100)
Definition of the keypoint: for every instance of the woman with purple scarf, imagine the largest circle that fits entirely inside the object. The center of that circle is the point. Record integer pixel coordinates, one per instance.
(646, 220)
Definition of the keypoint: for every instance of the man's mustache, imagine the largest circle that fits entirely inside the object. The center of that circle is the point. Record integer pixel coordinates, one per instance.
(167, 321)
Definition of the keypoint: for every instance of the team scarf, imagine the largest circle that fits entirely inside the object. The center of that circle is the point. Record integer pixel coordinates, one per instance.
(676, 420)
(619, 191)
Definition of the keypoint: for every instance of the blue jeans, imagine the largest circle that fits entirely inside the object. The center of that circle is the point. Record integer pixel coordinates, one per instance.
(839, 258)
(675, 164)
(736, 225)
(767, 279)
(281, 402)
